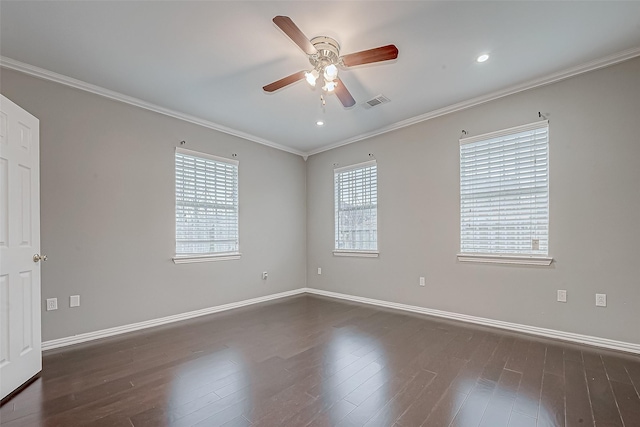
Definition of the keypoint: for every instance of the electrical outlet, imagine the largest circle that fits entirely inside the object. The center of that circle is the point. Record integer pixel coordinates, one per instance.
(319, 270)
(601, 300)
(264, 275)
(562, 295)
(422, 281)
(52, 304)
(74, 301)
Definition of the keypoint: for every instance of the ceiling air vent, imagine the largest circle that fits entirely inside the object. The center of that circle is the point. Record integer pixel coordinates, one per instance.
(380, 99)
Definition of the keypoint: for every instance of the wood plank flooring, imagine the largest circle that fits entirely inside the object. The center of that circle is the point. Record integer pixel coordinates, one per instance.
(312, 361)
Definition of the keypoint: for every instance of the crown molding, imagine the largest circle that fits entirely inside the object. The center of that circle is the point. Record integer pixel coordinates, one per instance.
(542, 81)
(41, 73)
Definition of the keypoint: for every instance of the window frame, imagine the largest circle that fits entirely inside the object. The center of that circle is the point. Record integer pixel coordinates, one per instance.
(508, 258)
(209, 256)
(364, 253)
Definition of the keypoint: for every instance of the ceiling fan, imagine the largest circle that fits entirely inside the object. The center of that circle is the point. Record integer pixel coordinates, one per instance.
(324, 56)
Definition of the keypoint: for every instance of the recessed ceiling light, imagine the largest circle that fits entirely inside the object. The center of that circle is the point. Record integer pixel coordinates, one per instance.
(482, 58)
(319, 123)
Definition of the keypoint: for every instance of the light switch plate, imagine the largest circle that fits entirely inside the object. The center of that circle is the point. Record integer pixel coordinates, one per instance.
(74, 301)
(562, 295)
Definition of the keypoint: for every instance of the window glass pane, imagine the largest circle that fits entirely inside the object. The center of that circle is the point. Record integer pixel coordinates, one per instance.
(206, 205)
(504, 194)
(356, 209)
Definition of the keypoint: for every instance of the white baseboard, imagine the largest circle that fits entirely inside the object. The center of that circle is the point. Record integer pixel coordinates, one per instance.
(532, 330)
(103, 333)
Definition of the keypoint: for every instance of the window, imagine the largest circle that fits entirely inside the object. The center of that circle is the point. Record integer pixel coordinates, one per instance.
(504, 196)
(356, 210)
(206, 207)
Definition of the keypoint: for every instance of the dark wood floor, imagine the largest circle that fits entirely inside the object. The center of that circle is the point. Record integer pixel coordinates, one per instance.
(319, 362)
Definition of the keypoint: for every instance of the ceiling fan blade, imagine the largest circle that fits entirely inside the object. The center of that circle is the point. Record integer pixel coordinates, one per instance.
(284, 81)
(378, 54)
(343, 94)
(290, 29)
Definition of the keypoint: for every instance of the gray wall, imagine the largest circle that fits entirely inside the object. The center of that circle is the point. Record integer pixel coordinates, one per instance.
(107, 208)
(107, 212)
(594, 212)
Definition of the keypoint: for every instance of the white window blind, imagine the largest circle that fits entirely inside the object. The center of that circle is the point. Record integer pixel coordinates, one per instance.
(504, 192)
(206, 204)
(356, 207)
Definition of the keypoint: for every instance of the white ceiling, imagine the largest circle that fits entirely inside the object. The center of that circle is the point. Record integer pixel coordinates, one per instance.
(211, 59)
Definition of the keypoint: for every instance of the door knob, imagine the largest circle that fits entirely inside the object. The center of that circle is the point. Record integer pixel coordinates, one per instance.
(38, 257)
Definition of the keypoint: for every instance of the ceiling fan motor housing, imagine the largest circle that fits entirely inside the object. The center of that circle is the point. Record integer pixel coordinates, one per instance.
(324, 55)
(328, 52)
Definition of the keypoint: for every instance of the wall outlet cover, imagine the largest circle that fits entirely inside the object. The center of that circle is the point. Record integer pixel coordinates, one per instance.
(52, 304)
(562, 295)
(601, 300)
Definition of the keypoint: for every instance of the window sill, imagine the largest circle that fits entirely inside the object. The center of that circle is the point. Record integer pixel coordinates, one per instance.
(188, 259)
(506, 259)
(362, 254)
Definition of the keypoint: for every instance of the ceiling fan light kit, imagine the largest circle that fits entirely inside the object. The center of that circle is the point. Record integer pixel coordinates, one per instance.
(324, 55)
(324, 61)
(312, 76)
(330, 72)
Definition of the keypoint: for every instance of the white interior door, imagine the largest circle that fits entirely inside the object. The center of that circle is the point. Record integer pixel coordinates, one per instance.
(20, 328)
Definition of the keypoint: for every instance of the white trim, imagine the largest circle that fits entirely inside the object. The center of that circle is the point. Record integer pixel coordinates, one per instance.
(206, 156)
(104, 333)
(32, 70)
(532, 330)
(355, 166)
(531, 84)
(189, 259)
(526, 329)
(505, 259)
(362, 254)
(503, 132)
(41, 73)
